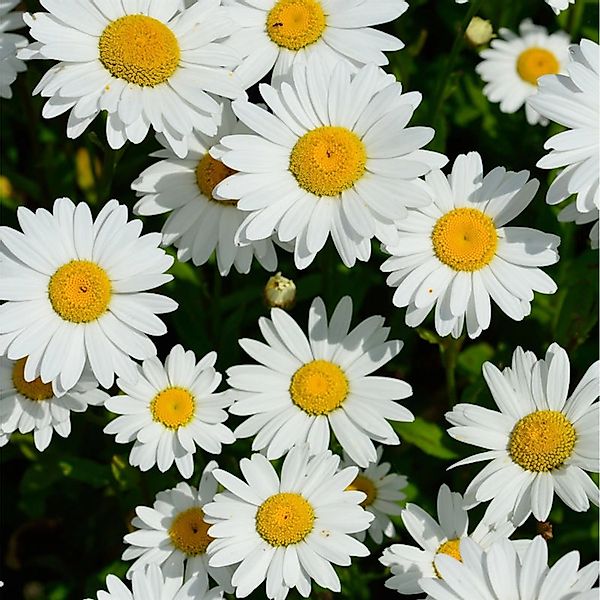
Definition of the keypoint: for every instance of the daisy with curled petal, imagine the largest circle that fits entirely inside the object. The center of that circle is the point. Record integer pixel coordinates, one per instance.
(335, 158)
(173, 534)
(32, 406)
(456, 253)
(169, 410)
(513, 64)
(303, 387)
(148, 64)
(10, 65)
(541, 441)
(76, 292)
(409, 564)
(199, 222)
(286, 530)
(281, 33)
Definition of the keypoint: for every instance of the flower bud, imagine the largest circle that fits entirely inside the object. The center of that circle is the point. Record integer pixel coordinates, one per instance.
(479, 32)
(280, 292)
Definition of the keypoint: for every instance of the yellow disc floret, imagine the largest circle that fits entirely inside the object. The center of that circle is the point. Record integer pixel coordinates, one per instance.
(319, 387)
(465, 239)
(364, 484)
(451, 548)
(80, 291)
(542, 441)
(189, 532)
(140, 50)
(535, 62)
(174, 407)
(295, 24)
(284, 519)
(328, 160)
(35, 390)
(209, 173)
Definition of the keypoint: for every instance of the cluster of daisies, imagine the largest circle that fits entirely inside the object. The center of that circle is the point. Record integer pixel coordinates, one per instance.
(328, 155)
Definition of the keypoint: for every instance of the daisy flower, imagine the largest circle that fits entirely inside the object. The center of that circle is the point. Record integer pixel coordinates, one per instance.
(409, 564)
(76, 293)
(556, 5)
(32, 406)
(148, 64)
(281, 33)
(303, 387)
(540, 442)
(199, 223)
(456, 253)
(289, 530)
(173, 534)
(570, 214)
(169, 410)
(335, 157)
(383, 491)
(10, 65)
(503, 572)
(514, 63)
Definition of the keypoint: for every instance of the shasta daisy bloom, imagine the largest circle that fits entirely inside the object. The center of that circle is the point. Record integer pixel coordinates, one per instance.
(456, 253)
(169, 410)
(303, 387)
(335, 157)
(514, 63)
(409, 564)
(199, 222)
(32, 406)
(148, 64)
(76, 293)
(541, 441)
(570, 214)
(281, 33)
(10, 65)
(286, 530)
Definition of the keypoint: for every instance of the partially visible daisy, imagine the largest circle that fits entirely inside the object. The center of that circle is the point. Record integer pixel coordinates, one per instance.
(10, 65)
(32, 406)
(169, 410)
(541, 441)
(286, 530)
(456, 253)
(409, 564)
(148, 64)
(76, 292)
(173, 534)
(383, 491)
(281, 33)
(570, 214)
(303, 387)
(335, 158)
(513, 65)
(556, 5)
(199, 223)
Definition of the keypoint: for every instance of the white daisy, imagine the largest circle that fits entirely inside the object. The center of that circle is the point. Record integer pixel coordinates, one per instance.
(502, 572)
(169, 410)
(457, 253)
(173, 534)
(382, 489)
(199, 223)
(32, 406)
(281, 33)
(409, 564)
(570, 214)
(334, 157)
(10, 65)
(540, 442)
(556, 5)
(76, 292)
(514, 63)
(305, 386)
(148, 64)
(289, 530)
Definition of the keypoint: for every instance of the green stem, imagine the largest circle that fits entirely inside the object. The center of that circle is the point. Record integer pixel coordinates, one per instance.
(576, 18)
(111, 160)
(450, 351)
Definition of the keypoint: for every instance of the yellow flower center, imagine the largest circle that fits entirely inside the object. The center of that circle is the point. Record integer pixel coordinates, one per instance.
(209, 173)
(80, 291)
(319, 387)
(451, 548)
(140, 50)
(188, 532)
(34, 390)
(284, 519)
(535, 62)
(364, 484)
(465, 239)
(542, 441)
(328, 160)
(295, 24)
(174, 407)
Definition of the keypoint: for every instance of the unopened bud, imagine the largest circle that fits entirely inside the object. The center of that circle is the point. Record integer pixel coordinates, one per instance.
(280, 292)
(479, 32)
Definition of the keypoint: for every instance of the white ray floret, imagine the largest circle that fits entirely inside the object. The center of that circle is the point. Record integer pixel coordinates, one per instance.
(556, 5)
(10, 43)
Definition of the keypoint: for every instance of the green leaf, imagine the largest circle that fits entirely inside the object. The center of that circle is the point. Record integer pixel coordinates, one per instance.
(471, 359)
(427, 436)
